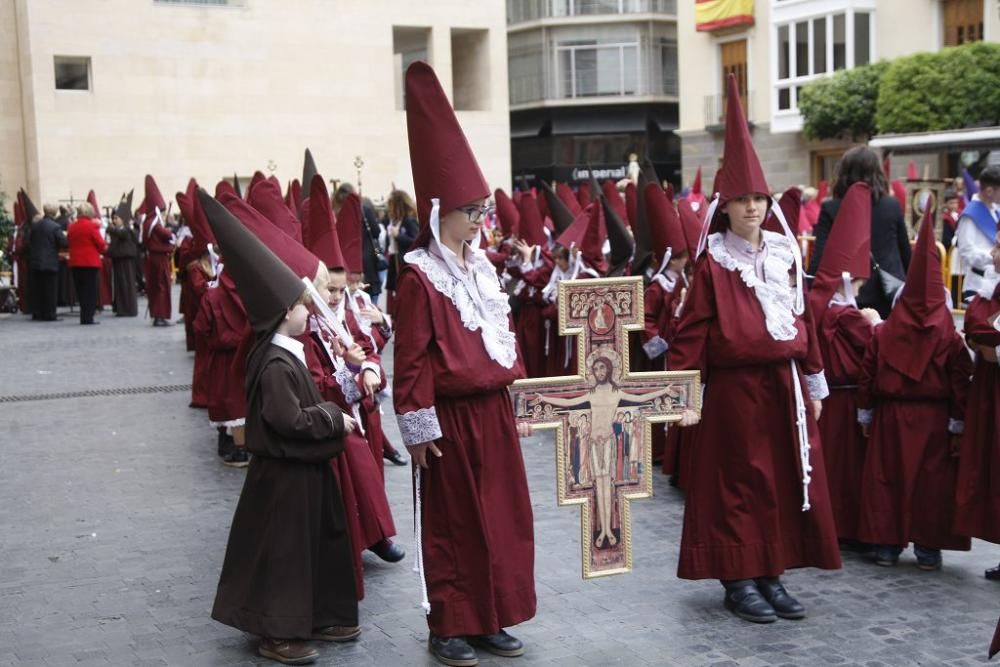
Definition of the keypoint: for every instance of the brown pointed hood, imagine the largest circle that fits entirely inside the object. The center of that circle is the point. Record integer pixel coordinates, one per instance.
(622, 245)
(560, 214)
(309, 170)
(267, 287)
(30, 210)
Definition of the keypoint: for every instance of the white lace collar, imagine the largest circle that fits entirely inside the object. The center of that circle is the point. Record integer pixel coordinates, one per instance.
(775, 293)
(491, 318)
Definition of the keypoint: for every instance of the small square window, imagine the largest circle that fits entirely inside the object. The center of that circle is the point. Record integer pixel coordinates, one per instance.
(72, 73)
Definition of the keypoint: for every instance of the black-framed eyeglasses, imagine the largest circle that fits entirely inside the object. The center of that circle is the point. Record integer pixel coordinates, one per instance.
(477, 212)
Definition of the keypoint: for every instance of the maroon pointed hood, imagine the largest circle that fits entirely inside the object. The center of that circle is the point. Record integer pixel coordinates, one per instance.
(848, 248)
(690, 224)
(153, 199)
(441, 158)
(92, 200)
(920, 324)
(587, 234)
(664, 224)
(508, 214)
(321, 239)
(266, 198)
(568, 197)
(531, 226)
(349, 230)
(302, 262)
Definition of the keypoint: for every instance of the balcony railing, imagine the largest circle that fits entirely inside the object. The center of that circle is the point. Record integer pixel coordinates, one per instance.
(715, 109)
(521, 11)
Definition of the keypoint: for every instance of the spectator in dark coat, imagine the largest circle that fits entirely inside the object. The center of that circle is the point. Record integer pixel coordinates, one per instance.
(890, 238)
(45, 239)
(402, 227)
(124, 248)
(374, 254)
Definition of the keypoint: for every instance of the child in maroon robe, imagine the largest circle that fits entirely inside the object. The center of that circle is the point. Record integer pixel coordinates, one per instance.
(455, 357)
(977, 509)
(159, 243)
(757, 500)
(913, 387)
(533, 273)
(844, 332)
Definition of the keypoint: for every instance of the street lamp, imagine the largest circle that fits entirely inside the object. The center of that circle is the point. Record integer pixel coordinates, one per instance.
(358, 163)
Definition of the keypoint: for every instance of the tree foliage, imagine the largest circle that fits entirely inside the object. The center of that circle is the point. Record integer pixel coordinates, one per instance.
(842, 106)
(950, 89)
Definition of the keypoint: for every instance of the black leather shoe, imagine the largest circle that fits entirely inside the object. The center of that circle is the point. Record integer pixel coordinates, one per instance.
(993, 574)
(395, 458)
(784, 605)
(453, 651)
(388, 551)
(501, 644)
(746, 602)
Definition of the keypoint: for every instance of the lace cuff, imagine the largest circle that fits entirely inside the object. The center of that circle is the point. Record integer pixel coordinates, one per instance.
(956, 426)
(864, 416)
(345, 379)
(654, 347)
(816, 383)
(419, 426)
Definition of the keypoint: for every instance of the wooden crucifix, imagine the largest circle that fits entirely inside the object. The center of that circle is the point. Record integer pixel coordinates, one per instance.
(603, 416)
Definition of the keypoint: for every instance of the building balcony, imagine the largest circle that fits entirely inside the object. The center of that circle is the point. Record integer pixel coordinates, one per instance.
(531, 11)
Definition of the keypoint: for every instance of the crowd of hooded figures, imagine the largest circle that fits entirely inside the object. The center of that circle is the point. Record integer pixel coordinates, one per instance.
(841, 406)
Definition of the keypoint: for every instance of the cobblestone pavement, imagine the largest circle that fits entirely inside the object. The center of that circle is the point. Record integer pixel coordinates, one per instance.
(114, 514)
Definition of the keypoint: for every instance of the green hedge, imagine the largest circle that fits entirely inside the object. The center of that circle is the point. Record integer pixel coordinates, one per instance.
(950, 89)
(842, 106)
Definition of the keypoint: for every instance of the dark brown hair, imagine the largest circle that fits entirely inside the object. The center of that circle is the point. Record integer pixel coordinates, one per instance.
(400, 206)
(860, 164)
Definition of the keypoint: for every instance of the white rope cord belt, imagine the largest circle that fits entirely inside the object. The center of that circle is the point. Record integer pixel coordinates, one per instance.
(418, 565)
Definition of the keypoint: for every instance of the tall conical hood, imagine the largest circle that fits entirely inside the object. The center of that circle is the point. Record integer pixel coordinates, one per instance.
(265, 284)
(442, 161)
(508, 214)
(790, 204)
(899, 192)
(584, 195)
(153, 199)
(632, 205)
(622, 245)
(292, 195)
(349, 230)
(224, 187)
(92, 200)
(266, 198)
(30, 210)
(255, 180)
(568, 197)
(643, 238)
(664, 224)
(322, 239)
(848, 248)
(309, 170)
(610, 191)
(201, 231)
(920, 323)
(124, 209)
(690, 225)
(302, 262)
(531, 226)
(561, 215)
(587, 234)
(741, 172)
(236, 185)
(696, 183)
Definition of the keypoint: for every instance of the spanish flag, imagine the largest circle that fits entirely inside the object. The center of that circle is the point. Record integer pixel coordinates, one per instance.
(718, 14)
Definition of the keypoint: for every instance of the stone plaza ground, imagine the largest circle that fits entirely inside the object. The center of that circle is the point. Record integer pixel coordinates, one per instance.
(114, 513)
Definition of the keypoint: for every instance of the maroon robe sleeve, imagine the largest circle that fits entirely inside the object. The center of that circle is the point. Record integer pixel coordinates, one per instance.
(689, 349)
(866, 382)
(413, 382)
(977, 323)
(654, 342)
(960, 368)
(812, 365)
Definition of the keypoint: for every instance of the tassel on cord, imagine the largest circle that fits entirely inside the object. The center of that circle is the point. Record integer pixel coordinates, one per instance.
(418, 565)
(703, 238)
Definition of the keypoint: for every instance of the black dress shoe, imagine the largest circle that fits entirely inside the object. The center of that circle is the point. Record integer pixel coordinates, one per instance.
(993, 574)
(395, 457)
(785, 606)
(501, 644)
(388, 551)
(746, 602)
(453, 651)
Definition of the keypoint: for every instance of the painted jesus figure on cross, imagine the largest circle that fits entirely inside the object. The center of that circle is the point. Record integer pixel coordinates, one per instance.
(605, 398)
(603, 415)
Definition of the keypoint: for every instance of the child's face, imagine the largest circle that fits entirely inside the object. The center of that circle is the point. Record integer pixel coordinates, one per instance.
(354, 281)
(338, 283)
(298, 316)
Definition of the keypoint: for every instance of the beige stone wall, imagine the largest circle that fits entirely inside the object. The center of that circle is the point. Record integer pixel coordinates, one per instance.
(12, 144)
(183, 91)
